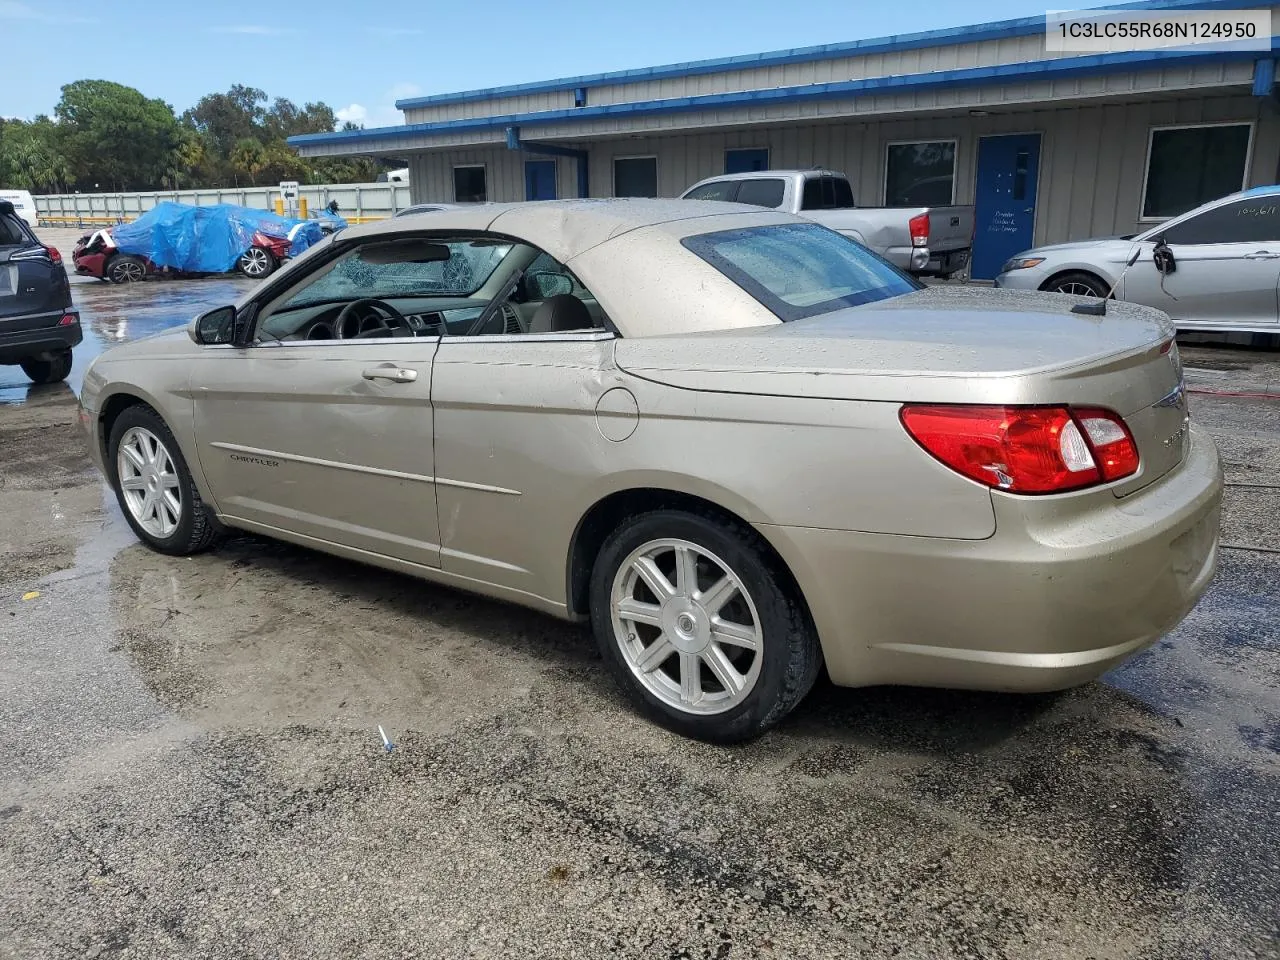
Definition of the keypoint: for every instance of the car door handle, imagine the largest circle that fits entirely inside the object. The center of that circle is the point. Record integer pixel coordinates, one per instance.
(1262, 255)
(389, 371)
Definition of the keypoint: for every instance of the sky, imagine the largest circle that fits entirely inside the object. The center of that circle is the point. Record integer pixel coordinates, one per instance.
(360, 65)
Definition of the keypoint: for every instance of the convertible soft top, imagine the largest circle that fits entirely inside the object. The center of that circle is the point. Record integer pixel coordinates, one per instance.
(207, 239)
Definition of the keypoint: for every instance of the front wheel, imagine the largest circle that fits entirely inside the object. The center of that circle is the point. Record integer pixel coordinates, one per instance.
(1077, 284)
(53, 369)
(124, 268)
(154, 486)
(700, 627)
(256, 263)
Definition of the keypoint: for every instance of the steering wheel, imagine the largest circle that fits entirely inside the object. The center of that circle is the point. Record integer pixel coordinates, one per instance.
(388, 317)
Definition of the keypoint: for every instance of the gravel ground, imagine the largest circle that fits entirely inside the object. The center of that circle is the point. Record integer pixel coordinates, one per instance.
(190, 764)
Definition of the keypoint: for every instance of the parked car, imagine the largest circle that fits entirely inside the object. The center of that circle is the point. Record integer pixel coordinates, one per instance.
(1216, 267)
(38, 325)
(923, 240)
(737, 442)
(23, 205)
(181, 240)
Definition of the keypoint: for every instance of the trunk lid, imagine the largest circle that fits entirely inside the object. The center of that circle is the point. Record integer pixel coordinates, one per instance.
(30, 282)
(950, 228)
(949, 345)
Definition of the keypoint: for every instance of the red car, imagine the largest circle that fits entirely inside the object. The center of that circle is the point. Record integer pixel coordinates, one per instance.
(95, 255)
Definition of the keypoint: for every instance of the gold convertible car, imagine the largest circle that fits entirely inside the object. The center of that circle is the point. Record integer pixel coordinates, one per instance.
(739, 443)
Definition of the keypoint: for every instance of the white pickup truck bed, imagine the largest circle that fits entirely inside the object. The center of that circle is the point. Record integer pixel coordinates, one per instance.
(921, 240)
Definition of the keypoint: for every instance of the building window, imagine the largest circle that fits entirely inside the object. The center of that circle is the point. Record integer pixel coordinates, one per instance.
(746, 160)
(469, 185)
(920, 174)
(1188, 166)
(635, 176)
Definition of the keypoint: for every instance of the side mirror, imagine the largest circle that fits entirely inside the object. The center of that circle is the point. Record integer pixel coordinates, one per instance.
(214, 326)
(544, 286)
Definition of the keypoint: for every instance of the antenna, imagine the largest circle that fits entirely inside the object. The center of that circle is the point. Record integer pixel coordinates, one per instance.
(1099, 309)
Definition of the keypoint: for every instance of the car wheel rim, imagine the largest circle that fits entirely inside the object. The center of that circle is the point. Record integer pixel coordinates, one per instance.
(128, 272)
(1077, 289)
(687, 627)
(255, 262)
(149, 481)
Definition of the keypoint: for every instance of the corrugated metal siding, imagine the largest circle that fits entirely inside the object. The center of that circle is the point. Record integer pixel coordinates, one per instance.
(1093, 157)
(431, 174)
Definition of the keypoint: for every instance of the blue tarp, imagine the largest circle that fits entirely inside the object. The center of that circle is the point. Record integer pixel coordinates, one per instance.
(207, 239)
(338, 223)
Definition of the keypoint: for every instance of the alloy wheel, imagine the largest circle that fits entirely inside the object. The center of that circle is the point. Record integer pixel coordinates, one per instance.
(687, 627)
(127, 271)
(256, 262)
(1076, 289)
(149, 481)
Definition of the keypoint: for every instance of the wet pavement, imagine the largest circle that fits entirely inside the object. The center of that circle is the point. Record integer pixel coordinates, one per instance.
(190, 764)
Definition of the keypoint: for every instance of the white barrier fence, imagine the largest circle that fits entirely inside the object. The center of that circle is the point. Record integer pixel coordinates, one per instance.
(356, 202)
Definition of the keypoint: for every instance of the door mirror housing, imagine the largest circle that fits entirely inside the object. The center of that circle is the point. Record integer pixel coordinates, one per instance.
(214, 326)
(1163, 257)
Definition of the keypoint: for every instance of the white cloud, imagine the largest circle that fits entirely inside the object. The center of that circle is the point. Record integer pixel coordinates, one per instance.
(354, 113)
(13, 10)
(252, 30)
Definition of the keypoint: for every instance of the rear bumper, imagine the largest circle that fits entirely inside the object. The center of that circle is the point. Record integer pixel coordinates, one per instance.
(923, 260)
(43, 336)
(1055, 598)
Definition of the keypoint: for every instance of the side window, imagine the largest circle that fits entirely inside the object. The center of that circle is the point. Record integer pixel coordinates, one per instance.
(1244, 221)
(12, 232)
(546, 277)
(841, 194)
(723, 190)
(763, 192)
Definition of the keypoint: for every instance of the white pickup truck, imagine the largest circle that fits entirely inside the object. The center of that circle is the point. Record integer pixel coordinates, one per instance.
(931, 241)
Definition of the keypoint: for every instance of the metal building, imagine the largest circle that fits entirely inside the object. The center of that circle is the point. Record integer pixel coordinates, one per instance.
(1095, 144)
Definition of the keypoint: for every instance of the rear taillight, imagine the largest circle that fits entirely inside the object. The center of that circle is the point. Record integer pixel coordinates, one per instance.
(68, 320)
(1025, 449)
(54, 255)
(919, 227)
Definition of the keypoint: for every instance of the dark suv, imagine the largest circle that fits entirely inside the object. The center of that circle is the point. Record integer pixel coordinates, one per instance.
(38, 326)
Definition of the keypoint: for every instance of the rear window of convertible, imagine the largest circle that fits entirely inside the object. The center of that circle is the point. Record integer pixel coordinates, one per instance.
(799, 270)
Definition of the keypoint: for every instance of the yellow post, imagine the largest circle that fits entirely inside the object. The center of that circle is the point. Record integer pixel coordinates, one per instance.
(280, 206)
(302, 208)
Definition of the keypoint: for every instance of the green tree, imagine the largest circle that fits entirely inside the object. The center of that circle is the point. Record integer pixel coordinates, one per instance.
(248, 158)
(225, 119)
(112, 133)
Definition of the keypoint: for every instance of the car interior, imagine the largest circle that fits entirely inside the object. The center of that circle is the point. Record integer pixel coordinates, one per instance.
(416, 286)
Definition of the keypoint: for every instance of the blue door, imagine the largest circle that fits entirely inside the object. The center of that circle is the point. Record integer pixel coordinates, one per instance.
(1005, 203)
(746, 161)
(540, 180)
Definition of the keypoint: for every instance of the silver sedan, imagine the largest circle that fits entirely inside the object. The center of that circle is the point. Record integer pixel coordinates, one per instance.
(739, 444)
(1216, 267)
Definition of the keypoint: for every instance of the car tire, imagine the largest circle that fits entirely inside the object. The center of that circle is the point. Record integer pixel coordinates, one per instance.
(158, 463)
(125, 268)
(680, 685)
(52, 370)
(256, 263)
(1078, 284)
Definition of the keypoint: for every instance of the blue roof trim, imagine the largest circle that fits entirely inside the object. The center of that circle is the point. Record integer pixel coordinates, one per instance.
(969, 76)
(996, 30)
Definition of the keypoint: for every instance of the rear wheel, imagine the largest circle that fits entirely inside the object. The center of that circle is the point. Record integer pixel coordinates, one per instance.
(256, 263)
(1078, 284)
(124, 268)
(49, 369)
(699, 626)
(154, 486)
